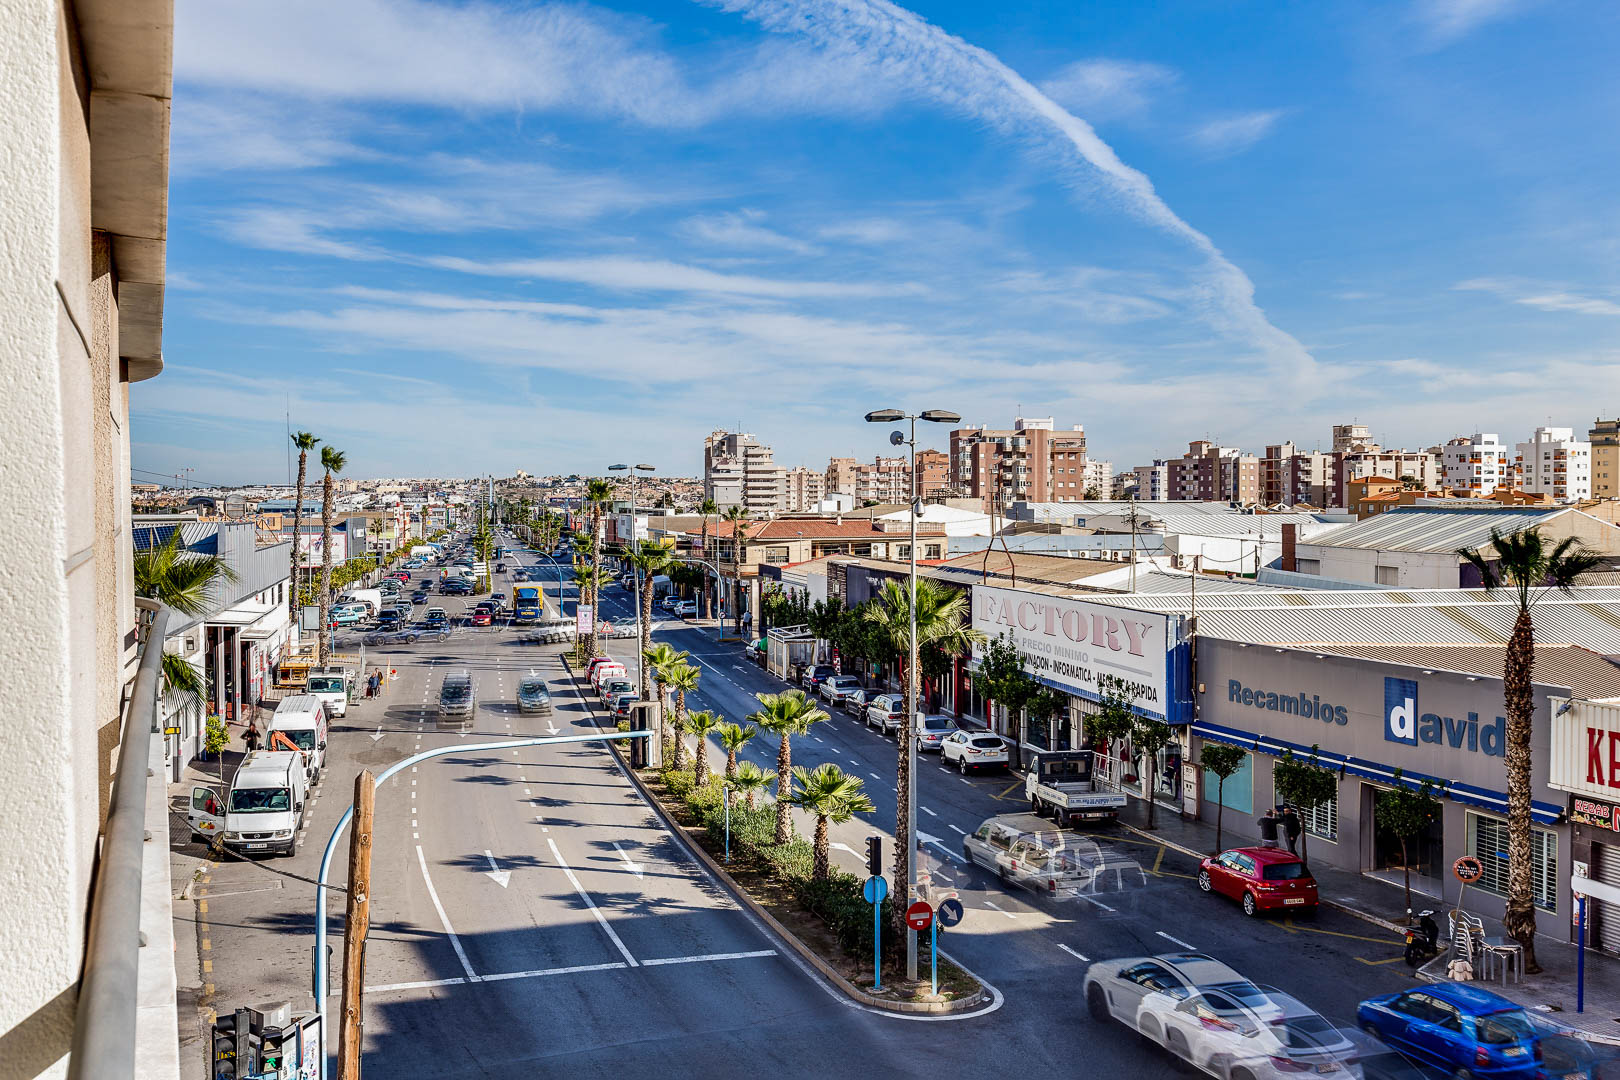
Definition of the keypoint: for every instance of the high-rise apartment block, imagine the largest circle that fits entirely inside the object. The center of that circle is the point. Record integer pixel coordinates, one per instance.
(1030, 461)
(1099, 478)
(1153, 481)
(1605, 439)
(1290, 476)
(1476, 465)
(933, 472)
(805, 488)
(1210, 473)
(1555, 463)
(739, 471)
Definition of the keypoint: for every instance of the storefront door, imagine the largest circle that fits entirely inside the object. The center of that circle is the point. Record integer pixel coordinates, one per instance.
(1425, 853)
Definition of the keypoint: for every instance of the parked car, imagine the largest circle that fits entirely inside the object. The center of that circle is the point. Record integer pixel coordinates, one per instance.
(855, 702)
(1261, 879)
(610, 687)
(684, 608)
(815, 675)
(349, 614)
(481, 617)
(886, 713)
(833, 689)
(668, 603)
(973, 750)
(499, 600)
(932, 730)
(532, 696)
(500, 568)
(1457, 1026)
(619, 704)
(436, 619)
(1237, 1032)
(1115, 988)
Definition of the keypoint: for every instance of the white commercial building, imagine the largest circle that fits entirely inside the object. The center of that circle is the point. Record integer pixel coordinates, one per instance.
(1476, 465)
(1556, 463)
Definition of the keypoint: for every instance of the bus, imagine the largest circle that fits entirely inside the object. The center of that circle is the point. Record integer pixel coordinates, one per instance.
(527, 606)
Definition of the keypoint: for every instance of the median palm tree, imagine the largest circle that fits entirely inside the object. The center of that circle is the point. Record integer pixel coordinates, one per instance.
(701, 723)
(942, 615)
(332, 461)
(1524, 563)
(736, 517)
(708, 508)
(652, 557)
(785, 715)
(598, 494)
(683, 679)
(733, 737)
(750, 780)
(832, 795)
(305, 443)
(589, 579)
(657, 661)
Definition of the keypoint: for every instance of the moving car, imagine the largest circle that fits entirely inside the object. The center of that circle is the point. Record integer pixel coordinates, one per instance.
(1246, 1031)
(1115, 988)
(436, 619)
(532, 696)
(419, 596)
(456, 587)
(886, 712)
(932, 730)
(684, 608)
(481, 617)
(456, 701)
(973, 750)
(1022, 849)
(331, 685)
(1457, 1026)
(833, 689)
(1261, 879)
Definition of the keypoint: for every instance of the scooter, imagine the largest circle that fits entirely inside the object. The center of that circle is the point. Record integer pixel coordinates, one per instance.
(1422, 939)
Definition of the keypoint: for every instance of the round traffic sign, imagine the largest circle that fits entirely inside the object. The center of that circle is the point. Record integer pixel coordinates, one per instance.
(950, 912)
(919, 915)
(1468, 869)
(875, 889)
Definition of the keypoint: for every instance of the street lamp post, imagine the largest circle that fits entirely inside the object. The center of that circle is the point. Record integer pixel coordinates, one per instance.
(913, 687)
(642, 634)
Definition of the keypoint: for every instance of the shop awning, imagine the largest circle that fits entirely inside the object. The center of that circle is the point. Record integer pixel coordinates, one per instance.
(1496, 801)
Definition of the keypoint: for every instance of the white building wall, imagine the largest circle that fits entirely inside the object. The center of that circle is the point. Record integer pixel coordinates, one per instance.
(1556, 463)
(1400, 569)
(1478, 466)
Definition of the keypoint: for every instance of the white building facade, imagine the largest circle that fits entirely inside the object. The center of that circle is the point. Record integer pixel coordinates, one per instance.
(1476, 465)
(1556, 463)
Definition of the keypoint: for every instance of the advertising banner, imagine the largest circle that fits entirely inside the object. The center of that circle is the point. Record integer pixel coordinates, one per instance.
(584, 619)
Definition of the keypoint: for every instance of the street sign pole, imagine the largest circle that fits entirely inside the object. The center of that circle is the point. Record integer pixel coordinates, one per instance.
(728, 826)
(933, 963)
(1580, 959)
(875, 889)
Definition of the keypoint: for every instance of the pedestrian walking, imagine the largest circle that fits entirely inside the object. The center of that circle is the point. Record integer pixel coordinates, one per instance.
(250, 737)
(1291, 828)
(1268, 828)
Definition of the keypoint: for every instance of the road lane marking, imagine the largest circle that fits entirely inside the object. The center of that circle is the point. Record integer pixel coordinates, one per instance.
(585, 896)
(1175, 940)
(1094, 901)
(433, 894)
(712, 956)
(992, 906)
(543, 972)
(955, 830)
(874, 776)
(927, 811)
(1071, 952)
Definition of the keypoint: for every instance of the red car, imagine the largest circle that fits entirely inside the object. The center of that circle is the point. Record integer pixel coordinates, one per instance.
(481, 617)
(1261, 879)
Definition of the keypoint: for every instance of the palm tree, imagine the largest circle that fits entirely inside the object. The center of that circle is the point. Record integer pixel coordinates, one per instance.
(305, 443)
(941, 622)
(733, 737)
(708, 508)
(598, 494)
(702, 722)
(332, 461)
(751, 779)
(832, 795)
(652, 558)
(1523, 563)
(785, 715)
(659, 660)
(737, 518)
(683, 679)
(167, 572)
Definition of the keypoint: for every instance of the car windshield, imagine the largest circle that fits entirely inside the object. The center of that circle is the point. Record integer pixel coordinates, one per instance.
(456, 692)
(325, 684)
(1507, 1026)
(260, 800)
(531, 686)
(936, 723)
(304, 740)
(1284, 871)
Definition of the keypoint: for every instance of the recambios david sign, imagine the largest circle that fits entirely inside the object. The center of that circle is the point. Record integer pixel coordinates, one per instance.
(1405, 723)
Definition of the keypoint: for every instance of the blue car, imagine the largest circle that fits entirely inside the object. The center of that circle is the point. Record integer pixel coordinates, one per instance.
(1458, 1026)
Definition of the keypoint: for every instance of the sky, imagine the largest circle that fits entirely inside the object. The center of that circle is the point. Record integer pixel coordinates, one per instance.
(469, 237)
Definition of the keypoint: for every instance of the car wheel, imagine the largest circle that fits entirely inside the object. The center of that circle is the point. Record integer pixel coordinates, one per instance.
(1242, 1074)
(1250, 908)
(1203, 881)
(1150, 1031)
(961, 765)
(1001, 873)
(1096, 1002)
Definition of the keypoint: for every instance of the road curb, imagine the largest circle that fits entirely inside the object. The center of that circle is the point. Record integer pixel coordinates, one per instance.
(1365, 916)
(782, 933)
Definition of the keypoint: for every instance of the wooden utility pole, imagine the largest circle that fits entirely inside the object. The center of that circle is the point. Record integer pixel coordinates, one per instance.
(356, 924)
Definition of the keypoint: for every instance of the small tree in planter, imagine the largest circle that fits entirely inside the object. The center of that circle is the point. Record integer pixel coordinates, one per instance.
(1306, 785)
(1148, 737)
(1115, 719)
(1406, 812)
(216, 737)
(1223, 760)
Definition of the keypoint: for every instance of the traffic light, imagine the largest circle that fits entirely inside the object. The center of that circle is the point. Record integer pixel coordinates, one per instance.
(874, 855)
(270, 1056)
(233, 1046)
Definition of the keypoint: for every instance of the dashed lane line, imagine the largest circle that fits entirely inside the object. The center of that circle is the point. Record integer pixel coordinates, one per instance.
(1071, 952)
(1174, 940)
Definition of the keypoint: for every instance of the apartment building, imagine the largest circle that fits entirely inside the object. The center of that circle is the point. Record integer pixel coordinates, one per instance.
(805, 489)
(1032, 460)
(1153, 481)
(840, 476)
(84, 164)
(1476, 465)
(1605, 439)
(1290, 476)
(740, 471)
(933, 472)
(1098, 477)
(1211, 473)
(1555, 463)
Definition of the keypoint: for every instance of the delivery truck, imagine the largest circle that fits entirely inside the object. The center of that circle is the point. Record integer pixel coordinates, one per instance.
(527, 606)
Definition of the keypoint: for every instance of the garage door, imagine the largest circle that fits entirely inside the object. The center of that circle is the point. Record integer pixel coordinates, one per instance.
(1608, 915)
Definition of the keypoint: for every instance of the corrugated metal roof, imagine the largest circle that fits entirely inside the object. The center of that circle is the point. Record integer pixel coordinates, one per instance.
(1430, 528)
(1585, 673)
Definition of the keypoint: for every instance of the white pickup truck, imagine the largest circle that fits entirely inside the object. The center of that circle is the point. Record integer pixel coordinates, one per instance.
(1059, 783)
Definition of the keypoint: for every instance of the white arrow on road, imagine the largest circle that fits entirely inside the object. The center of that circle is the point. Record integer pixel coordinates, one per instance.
(846, 847)
(634, 867)
(500, 877)
(377, 734)
(552, 728)
(924, 838)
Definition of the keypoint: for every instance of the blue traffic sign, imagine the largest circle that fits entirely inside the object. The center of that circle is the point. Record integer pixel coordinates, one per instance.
(950, 912)
(875, 889)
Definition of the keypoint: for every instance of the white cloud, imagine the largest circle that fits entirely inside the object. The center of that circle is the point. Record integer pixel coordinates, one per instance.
(662, 275)
(741, 229)
(1451, 19)
(1541, 296)
(1105, 88)
(1236, 133)
(240, 131)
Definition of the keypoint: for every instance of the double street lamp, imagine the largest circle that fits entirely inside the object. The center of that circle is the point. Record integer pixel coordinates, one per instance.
(641, 664)
(890, 416)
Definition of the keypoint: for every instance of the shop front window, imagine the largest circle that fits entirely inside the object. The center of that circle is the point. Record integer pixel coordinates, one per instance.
(1238, 791)
(1488, 842)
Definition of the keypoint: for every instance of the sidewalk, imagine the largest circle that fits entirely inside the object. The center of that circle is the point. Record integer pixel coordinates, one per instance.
(1551, 993)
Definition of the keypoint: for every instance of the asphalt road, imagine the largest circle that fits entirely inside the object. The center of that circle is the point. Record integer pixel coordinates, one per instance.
(530, 916)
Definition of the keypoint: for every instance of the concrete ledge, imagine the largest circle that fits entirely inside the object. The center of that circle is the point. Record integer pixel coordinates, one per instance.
(785, 935)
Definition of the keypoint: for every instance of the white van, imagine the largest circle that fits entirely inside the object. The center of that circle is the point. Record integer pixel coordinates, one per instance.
(331, 685)
(301, 719)
(265, 807)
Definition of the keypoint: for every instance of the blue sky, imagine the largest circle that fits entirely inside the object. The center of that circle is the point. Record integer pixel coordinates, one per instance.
(455, 238)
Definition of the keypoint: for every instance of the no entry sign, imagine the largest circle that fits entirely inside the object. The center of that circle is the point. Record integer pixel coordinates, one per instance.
(919, 915)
